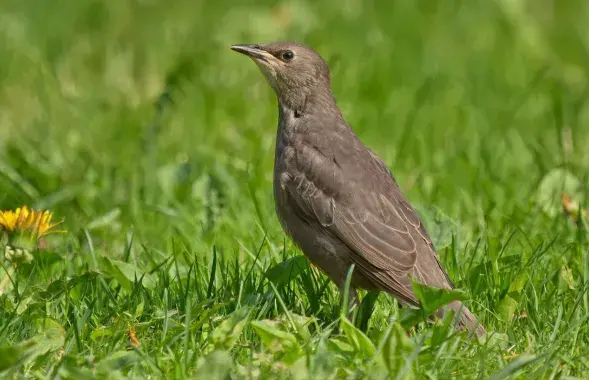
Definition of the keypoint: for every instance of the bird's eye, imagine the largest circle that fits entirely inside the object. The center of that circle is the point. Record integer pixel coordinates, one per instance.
(287, 55)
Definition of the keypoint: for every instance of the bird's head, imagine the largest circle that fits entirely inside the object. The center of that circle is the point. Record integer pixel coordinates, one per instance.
(296, 72)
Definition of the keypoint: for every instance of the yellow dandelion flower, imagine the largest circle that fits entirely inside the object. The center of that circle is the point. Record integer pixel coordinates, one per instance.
(36, 223)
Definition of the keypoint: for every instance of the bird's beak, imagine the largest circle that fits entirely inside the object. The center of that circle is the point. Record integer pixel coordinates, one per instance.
(253, 51)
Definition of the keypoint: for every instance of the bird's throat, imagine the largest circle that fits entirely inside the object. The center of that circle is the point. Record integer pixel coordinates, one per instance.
(301, 103)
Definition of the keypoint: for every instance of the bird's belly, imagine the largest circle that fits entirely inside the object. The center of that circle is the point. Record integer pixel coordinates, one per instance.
(323, 250)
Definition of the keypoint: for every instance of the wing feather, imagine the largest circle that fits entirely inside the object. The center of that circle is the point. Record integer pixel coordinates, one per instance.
(371, 224)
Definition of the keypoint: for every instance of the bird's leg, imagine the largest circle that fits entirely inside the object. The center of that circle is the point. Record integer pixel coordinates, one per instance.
(353, 304)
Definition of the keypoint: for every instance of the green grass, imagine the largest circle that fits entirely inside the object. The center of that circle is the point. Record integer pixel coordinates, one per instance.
(135, 123)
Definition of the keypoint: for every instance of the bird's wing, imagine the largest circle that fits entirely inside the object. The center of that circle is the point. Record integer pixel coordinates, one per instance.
(371, 226)
(363, 207)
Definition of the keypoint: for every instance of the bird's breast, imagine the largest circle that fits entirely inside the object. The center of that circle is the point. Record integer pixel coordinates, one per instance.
(283, 155)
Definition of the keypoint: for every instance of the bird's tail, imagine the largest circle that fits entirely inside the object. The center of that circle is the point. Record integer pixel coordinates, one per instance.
(464, 318)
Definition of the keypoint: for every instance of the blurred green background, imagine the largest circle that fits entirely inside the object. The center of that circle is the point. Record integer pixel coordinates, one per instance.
(135, 116)
(140, 106)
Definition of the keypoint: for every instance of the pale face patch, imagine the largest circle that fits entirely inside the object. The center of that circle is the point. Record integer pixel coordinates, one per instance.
(269, 69)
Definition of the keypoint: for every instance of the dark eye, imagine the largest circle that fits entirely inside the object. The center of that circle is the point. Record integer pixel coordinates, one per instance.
(287, 55)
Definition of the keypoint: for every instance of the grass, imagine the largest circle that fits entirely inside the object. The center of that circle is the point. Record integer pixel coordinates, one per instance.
(135, 123)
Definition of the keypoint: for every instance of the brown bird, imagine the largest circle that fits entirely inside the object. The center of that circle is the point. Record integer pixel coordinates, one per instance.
(336, 198)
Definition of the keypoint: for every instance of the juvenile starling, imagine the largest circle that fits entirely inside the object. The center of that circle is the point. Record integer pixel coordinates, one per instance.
(335, 197)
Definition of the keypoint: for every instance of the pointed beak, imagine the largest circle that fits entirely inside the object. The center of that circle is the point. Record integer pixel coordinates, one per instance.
(252, 51)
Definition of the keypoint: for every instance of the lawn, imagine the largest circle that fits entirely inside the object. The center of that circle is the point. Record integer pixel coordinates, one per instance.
(137, 126)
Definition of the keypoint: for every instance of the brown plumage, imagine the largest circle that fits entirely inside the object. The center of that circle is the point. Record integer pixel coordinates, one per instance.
(336, 199)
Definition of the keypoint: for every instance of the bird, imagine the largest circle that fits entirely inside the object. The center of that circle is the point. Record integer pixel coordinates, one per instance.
(335, 198)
